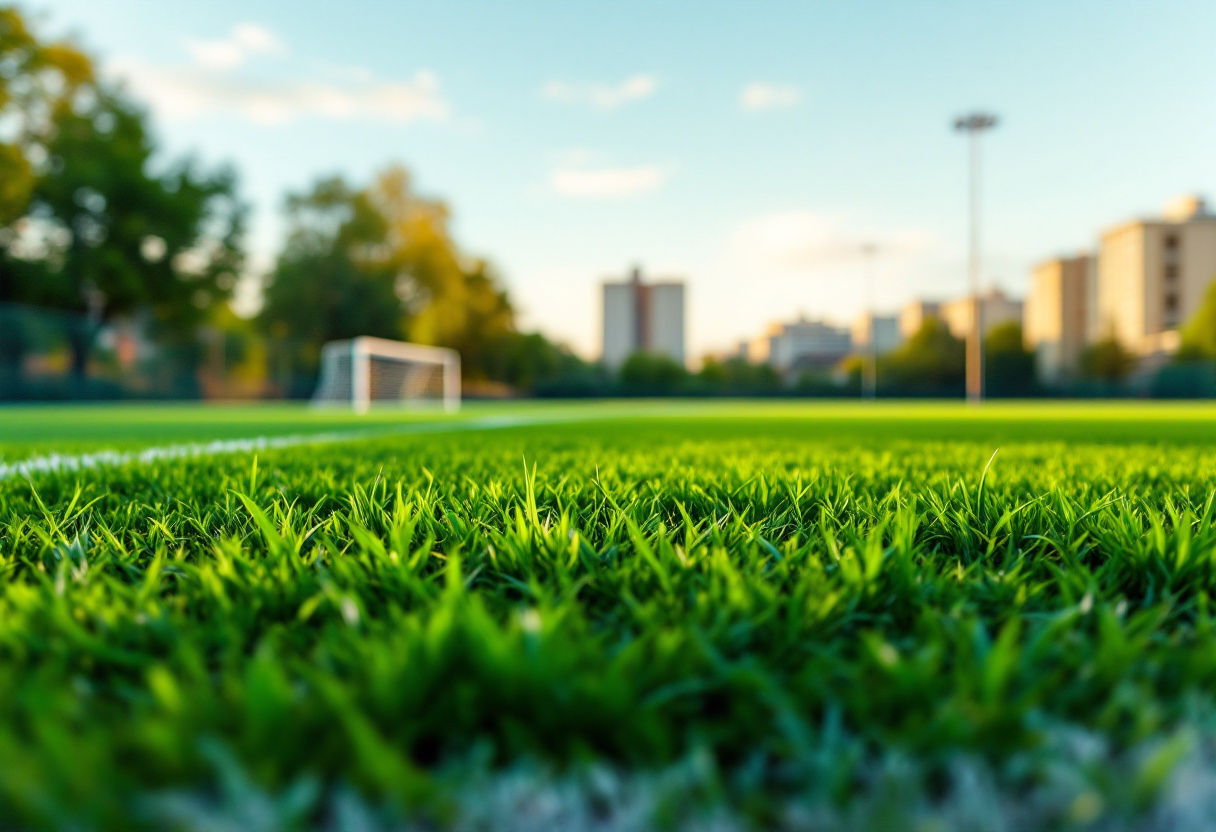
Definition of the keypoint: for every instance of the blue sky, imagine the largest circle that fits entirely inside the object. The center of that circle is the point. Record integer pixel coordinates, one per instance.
(749, 147)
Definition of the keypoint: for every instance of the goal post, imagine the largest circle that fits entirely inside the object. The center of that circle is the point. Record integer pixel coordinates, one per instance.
(365, 371)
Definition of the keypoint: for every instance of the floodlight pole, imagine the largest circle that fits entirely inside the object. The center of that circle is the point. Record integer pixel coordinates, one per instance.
(973, 125)
(869, 381)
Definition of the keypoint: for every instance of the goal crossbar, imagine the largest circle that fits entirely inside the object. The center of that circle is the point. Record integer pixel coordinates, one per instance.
(346, 371)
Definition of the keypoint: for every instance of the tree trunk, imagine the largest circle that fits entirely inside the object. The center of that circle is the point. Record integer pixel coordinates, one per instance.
(8, 287)
(80, 343)
(80, 332)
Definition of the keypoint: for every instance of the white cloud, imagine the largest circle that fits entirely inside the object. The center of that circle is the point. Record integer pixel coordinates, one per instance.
(181, 93)
(601, 96)
(244, 40)
(209, 86)
(801, 240)
(760, 96)
(606, 183)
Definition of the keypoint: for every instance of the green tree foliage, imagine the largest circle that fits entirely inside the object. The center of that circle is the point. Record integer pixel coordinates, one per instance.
(38, 81)
(853, 367)
(121, 237)
(1107, 360)
(1192, 373)
(531, 362)
(931, 362)
(736, 376)
(646, 373)
(380, 261)
(169, 241)
(102, 229)
(1199, 333)
(1008, 365)
(325, 285)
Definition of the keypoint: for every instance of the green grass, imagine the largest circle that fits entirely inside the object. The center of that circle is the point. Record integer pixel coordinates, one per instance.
(27, 430)
(757, 609)
(72, 428)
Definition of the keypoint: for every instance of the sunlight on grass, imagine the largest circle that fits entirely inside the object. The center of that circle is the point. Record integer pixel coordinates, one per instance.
(797, 596)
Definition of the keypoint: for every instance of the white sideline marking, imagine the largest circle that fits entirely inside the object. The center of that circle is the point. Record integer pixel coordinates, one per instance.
(57, 463)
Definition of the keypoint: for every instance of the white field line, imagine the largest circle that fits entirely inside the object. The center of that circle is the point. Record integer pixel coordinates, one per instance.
(57, 463)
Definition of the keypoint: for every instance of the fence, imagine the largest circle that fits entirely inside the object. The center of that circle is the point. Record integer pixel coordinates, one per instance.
(50, 355)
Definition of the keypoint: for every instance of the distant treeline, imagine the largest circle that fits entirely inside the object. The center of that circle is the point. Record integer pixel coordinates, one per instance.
(930, 364)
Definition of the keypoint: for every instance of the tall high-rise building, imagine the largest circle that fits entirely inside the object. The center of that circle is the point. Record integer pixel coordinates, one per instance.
(1152, 275)
(1055, 319)
(642, 317)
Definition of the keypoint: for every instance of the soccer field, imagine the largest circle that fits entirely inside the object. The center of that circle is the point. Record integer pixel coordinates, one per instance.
(610, 616)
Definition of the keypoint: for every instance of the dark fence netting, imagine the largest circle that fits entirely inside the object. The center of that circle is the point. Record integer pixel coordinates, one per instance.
(50, 355)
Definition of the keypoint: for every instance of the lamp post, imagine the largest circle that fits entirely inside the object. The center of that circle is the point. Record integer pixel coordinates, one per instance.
(869, 380)
(973, 125)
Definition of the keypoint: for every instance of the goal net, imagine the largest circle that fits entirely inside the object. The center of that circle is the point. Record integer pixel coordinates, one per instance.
(367, 371)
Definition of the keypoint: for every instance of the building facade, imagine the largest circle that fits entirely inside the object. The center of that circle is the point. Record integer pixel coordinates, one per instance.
(642, 317)
(1152, 275)
(804, 345)
(996, 308)
(1056, 316)
(885, 329)
(914, 314)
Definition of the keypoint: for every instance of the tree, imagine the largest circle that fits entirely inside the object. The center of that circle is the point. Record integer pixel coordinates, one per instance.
(103, 230)
(38, 81)
(646, 373)
(462, 305)
(1107, 360)
(1199, 333)
(381, 261)
(329, 282)
(169, 242)
(931, 362)
(531, 362)
(168, 239)
(739, 377)
(1008, 365)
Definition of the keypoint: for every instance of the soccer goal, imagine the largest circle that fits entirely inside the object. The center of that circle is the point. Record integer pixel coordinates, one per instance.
(368, 371)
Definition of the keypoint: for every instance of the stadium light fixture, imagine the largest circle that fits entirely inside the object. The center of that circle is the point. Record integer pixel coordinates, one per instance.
(973, 125)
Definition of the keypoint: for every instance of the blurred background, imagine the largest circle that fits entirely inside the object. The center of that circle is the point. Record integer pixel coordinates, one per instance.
(779, 199)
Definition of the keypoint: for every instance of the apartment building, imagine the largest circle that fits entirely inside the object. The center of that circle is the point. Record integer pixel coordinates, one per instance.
(1056, 315)
(642, 317)
(1152, 275)
(996, 308)
(913, 315)
(883, 328)
(805, 344)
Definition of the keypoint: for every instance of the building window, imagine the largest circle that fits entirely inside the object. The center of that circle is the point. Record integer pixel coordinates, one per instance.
(1171, 272)
(1170, 316)
(1171, 254)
